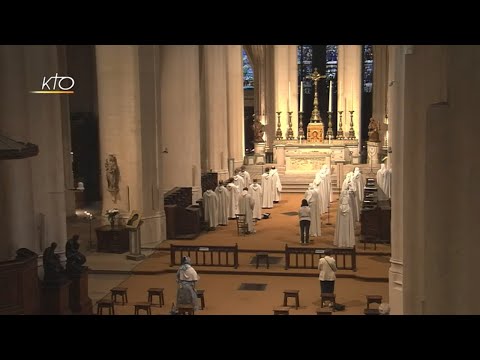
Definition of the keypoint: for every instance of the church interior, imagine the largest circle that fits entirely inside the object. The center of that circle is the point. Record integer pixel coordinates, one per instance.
(239, 179)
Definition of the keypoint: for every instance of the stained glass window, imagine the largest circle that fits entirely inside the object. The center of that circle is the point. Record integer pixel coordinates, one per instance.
(367, 68)
(247, 71)
(332, 64)
(304, 61)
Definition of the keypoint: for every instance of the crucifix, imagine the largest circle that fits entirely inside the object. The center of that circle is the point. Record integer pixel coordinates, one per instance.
(315, 76)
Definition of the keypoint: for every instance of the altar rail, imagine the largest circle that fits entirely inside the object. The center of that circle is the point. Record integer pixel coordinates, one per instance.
(205, 255)
(345, 258)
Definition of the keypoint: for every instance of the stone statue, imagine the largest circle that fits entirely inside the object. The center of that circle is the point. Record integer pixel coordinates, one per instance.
(75, 259)
(52, 266)
(373, 134)
(258, 130)
(113, 175)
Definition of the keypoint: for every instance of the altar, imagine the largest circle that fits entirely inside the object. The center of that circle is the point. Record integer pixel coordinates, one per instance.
(301, 157)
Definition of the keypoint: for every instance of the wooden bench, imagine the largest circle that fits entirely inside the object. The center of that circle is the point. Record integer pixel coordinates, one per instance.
(281, 310)
(201, 296)
(156, 292)
(122, 291)
(143, 306)
(322, 311)
(263, 255)
(105, 304)
(291, 293)
(371, 299)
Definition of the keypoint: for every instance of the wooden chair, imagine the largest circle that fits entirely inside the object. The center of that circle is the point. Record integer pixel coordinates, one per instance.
(242, 226)
(371, 299)
(156, 292)
(185, 309)
(122, 291)
(328, 297)
(291, 293)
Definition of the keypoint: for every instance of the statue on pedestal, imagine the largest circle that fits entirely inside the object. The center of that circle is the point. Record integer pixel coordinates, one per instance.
(113, 176)
(258, 130)
(373, 134)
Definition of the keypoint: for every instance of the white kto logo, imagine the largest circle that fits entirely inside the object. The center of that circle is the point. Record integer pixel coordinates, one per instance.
(56, 85)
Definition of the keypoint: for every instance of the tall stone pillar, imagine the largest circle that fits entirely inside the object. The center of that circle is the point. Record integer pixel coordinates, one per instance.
(270, 99)
(16, 197)
(293, 80)
(441, 226)
(214, 75)
(341, 97)
(380, 87)
(128, 93)
(67, 136)
(235, 107)
(180, 114)
(350, 73)
(396, 77)
(282, 76)
(45, 121)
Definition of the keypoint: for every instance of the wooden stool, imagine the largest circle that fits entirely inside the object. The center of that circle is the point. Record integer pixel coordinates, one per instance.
(263, 255)
(156, 292)
(371, 312)
(328, 297)
(143, 306)
(105, 304)
(281, 310)
(373, 299)
(321, 311)
(119, 291)
(291, 293)
(201, 296)
(185, 309)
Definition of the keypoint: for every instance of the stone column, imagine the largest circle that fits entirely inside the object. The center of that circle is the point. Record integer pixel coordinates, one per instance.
(270, 116)
(180, 114)
(45, 121)
(396, 77)
(341, 97)
(235, 106)
(67, 137)
(293, 79)
(282, 76)
(128, 94)
(380, 86)
(16, 197)
(350, 62)
(215, 109)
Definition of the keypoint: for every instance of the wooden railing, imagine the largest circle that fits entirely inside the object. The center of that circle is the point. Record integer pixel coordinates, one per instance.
(307, 258)
(205, 255)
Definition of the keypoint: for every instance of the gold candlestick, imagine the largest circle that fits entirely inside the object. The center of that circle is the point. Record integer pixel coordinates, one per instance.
(290, 130)
(340, 127)
(351, 132)
(278, 133)
(301, 134)
(329, 130)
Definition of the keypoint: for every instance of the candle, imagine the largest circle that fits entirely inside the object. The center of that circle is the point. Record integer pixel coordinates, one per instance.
(288, 96)
(301, 96)
(330, 98)
(345, 100)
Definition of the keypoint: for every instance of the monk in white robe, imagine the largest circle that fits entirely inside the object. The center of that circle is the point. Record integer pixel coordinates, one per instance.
(238, 180)
(311, 196)
(255, 191)
(234, 192)
(245, 175)
(210, 208)
(268, 190)
(245, 206)
(358, 178)
(223, 202)
(277, 184)
(344, 229)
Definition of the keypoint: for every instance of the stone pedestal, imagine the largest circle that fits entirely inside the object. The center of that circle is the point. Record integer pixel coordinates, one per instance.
(259, 148)
(80, 303)
(373, 148)
(135, 245)
(280, 155)
(55, 298)
(354, 154)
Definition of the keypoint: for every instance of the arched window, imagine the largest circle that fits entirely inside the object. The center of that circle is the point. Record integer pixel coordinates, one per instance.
(247, 71)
